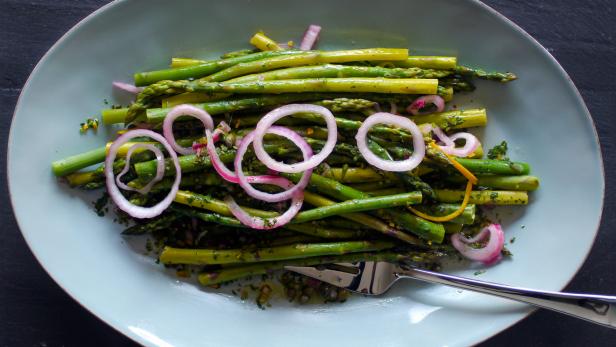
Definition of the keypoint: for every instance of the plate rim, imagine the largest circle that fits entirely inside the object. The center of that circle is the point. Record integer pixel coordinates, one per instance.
(479, 5)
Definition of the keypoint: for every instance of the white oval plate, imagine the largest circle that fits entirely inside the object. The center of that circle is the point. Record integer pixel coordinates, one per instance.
(541, 115)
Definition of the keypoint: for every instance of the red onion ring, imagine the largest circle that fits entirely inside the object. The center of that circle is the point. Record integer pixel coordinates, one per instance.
(422, 101)
(310, 37)
(469, 148)
(419, 147)
(488, 254)
(127, 87)
(443, 137)
(268, 223)
(470, 145)
(160, 168)
(184, 110)
(245, 181)
(113, 190)
(268, 120)
(217, 164)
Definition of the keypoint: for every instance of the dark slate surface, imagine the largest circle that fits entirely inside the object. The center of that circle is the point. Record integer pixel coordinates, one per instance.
(34, 311)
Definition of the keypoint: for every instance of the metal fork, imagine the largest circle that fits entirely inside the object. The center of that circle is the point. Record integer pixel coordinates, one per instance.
(375, 278)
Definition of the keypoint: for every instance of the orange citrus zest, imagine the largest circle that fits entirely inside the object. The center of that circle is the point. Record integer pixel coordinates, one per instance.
(447, 218)
(467, 193)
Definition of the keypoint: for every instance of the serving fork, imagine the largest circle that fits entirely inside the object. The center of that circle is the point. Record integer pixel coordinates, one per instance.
(375, 278)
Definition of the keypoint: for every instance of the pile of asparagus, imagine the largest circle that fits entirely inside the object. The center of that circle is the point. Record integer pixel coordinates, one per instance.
(352, 211)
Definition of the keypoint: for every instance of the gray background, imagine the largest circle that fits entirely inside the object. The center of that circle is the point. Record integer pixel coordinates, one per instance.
(34, 311)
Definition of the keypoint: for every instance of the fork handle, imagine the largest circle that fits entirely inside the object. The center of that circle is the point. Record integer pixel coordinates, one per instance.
(599, 309)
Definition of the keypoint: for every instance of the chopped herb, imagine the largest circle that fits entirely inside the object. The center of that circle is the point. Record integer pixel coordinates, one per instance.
(100, 203)
(512, 240)
(498, 152)
(91, 123)
(479, 272)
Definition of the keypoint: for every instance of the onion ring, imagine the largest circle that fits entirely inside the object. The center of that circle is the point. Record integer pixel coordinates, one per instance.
(419, 147)
(268, 223)
(415, 107)
(268, 120)
(489, 253)
(160, 168)
(245, 181)
(184, 110)
(113, 190)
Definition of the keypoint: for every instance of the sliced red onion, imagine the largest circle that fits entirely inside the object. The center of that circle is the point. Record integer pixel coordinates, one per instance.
(310, 37)
(470, 145)
(160, 168)
(246, 181)
(222, 128)
(443, 137)
(113, 190)
(268, 120)
(268, 223)
(127, 87)
(489, 253)
(423, 101)
(217, 164)
(419, 147)
(184, 110)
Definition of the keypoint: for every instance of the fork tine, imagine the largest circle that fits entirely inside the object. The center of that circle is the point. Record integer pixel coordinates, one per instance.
(337, 278)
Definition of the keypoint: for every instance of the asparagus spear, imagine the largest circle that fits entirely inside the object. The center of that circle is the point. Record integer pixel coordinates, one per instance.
(447, 120)
(188, 163)
(370, 186)
(428, 62)
(77, 179)
(339, 105)
(355, 205)
(324, 232)
(443, 209)
(210, 217)
(171, 255)
(479, 73)
(196, 179)
(522, 182)
(324, 211)
(309, 58)
(493, 197)
(205, 68)
(264, 43)
(455, 119)
(307, 85)
(408, 178)
(77, 162)
(184, 62)
(157, 115)
(236, 272)
(191, 98)
(364, 219)
(496, 167)
(333, 71)
(355, 175)
(423, 228)
(238, 53)
(162, 222)
(217, 206)
(114, 115)
(289, 240)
